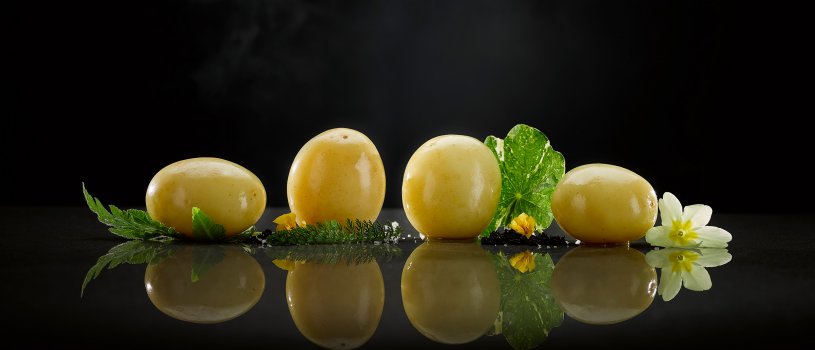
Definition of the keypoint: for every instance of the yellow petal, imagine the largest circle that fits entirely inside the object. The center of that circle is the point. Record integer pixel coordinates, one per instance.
(287, 265)
(285, 222)
(524, 262)
(523, 224)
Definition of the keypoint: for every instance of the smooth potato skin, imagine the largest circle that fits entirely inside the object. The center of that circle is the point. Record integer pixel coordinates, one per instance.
(451, 187)
(602, 203)
(227, 192)
(230, 288)
(336, 306)
(337, 175)
(450, 291)
(603, 285)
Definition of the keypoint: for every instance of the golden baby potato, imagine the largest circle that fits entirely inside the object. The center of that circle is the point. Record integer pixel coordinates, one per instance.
(599, 285)
(451, 187)
(336, 306)
(450, 291)
(224, 290)
(337, 175)
(226, 192)
(602, 203)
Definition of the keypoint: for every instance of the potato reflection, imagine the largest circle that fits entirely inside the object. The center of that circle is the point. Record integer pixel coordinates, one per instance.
(205, 284)
(336, 306)
(603, 285)
(450, 291)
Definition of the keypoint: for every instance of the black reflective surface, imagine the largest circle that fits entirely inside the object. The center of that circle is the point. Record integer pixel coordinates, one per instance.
(762, 296)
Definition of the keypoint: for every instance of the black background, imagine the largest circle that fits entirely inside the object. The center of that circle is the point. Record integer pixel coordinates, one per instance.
(702, 98)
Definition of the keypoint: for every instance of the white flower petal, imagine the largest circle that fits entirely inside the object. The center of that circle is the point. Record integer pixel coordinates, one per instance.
(659, 258)
(669, 284)
(658, 236)
(698, 214)
(711, 257)
(713, 237)
(670, 209)
(697, 279)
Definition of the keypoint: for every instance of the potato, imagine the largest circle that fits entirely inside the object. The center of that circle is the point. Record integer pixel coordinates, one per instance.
(228, 289)
(599, 285)
(336, 306)
(337, 175)
(601, 203)
(450, 291)
(228, 193)
(451, 187)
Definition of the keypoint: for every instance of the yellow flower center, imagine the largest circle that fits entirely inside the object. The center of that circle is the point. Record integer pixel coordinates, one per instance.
(285, 222)
(523, 224)
(523, 262)
(682, 233)
(682, 260)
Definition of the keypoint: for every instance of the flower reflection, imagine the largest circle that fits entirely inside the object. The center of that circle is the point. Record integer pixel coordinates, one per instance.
(685, 267)
(284, 264)
(523, 262)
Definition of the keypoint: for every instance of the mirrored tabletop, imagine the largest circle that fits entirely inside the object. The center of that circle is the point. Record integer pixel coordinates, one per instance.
(405, 295)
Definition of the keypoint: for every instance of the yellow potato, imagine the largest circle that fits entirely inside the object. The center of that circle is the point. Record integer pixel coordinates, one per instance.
(601, 203)
(336, 306)
(598, 285)
(450, 291)
(337, 175)
(228, 289)
(228, 193)
(451, 187)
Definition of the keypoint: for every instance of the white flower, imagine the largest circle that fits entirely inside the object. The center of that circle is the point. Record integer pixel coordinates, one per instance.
(685, 266)
(686, 228)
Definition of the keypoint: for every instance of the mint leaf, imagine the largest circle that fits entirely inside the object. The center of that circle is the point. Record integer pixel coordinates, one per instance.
(528, 308)
(530, 170)
(130, 224)
(131, 252)
(204, 228)
(203, 258)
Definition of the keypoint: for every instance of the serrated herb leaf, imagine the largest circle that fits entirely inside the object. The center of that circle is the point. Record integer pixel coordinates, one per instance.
(331, 232)
(351, 254)
(528, 309)
(204, 228)
(131, 252)
(203, 258)
(131, 223)
(530, 170)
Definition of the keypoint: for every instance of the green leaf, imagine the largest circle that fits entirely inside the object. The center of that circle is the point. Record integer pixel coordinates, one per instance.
(204, 228)
(528, 309)
(131, 223)
(246, 236)
(203, 258)
(131, 252)
(530, 170)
